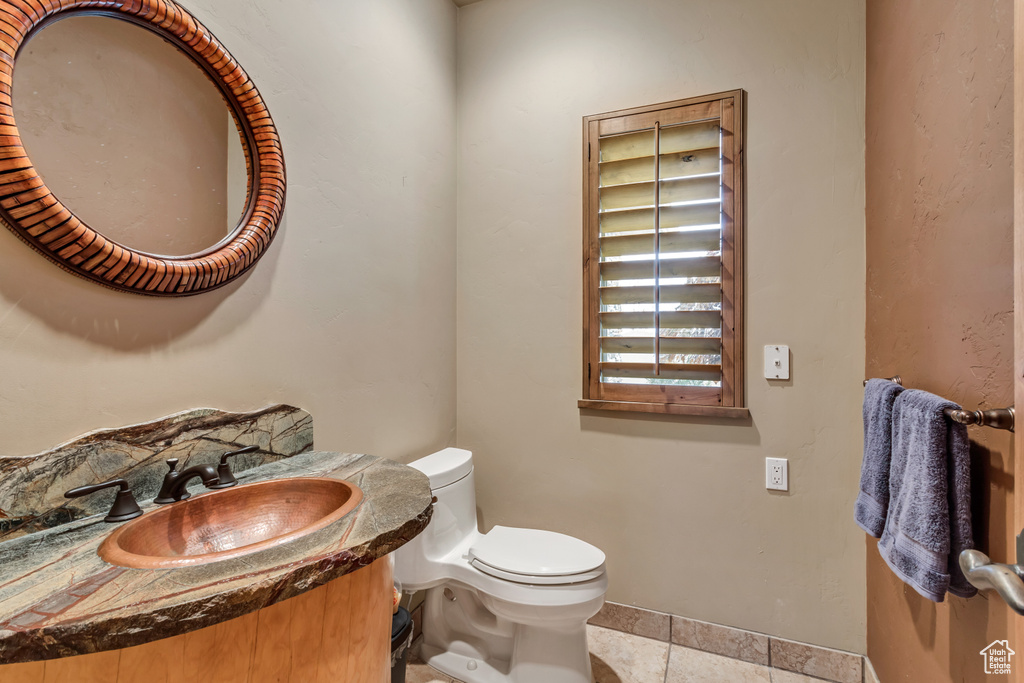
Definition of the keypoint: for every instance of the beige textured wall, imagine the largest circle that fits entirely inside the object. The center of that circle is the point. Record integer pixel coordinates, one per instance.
(349, 314)
(940, 288)
(678, 504)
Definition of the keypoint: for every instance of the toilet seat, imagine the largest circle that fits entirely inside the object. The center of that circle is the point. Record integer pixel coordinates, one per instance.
(532, 580)
(537, 557)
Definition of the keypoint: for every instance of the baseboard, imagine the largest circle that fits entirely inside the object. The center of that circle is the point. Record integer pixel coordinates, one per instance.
(825, 663)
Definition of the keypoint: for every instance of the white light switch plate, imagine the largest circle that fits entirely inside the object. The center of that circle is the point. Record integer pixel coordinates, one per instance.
(776, 361)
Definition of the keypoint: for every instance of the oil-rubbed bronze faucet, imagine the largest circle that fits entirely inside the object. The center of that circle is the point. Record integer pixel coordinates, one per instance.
(173, 488)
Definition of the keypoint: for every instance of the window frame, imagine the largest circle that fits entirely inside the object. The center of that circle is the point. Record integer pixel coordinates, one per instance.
(724, 401)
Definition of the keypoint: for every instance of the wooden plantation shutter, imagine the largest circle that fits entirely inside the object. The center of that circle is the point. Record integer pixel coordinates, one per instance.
(663, 210)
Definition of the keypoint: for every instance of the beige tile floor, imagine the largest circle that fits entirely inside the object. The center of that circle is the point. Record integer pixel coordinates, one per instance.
(618, 657)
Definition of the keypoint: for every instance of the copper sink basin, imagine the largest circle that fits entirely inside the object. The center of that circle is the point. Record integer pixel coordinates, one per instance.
(228, 523)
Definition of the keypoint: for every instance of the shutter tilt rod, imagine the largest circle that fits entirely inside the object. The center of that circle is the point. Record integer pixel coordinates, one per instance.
(657, 248)
(997, 418)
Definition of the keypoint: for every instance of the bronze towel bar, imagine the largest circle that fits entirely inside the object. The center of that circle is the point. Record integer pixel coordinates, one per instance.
(997, 418)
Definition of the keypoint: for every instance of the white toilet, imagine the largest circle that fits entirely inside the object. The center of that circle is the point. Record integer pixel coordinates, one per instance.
(508, 606)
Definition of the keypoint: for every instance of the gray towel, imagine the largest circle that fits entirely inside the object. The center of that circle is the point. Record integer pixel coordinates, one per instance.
(873, 499)
(929, 519)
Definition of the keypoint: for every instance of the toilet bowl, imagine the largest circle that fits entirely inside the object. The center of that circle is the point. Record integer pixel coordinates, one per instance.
(508, 606)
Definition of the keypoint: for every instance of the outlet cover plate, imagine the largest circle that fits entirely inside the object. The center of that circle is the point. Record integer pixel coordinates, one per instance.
(776, 361)
(776, 474)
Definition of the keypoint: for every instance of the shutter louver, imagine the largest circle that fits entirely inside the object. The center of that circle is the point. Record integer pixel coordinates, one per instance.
(660, 246)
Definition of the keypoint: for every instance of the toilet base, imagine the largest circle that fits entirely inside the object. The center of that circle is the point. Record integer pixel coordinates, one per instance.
(534, 665)
(465, 639)
(461, 667)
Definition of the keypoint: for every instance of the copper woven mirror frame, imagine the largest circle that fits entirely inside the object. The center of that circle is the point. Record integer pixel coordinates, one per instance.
(35, 215)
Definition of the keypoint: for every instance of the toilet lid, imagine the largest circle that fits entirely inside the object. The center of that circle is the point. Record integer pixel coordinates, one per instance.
(536, 553)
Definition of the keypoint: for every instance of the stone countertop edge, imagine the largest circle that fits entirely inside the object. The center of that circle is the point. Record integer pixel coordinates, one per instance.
(59, 599)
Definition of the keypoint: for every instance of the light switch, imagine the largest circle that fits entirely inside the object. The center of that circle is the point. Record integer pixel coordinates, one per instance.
(776, 361)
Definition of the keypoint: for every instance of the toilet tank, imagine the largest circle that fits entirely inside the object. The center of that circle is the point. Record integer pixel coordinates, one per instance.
(451, 481)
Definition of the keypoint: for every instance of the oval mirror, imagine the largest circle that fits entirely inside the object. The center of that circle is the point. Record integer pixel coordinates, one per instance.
(125, 166)
(89, 93)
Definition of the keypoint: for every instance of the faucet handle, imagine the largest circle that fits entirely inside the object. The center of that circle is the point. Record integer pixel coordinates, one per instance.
(224, 476)
(240, 451)
(172, 464)
(125, 506)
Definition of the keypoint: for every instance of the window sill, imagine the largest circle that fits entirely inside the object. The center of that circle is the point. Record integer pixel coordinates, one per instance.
(666, 408)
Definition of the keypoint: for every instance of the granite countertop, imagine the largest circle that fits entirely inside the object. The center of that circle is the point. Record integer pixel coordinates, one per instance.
(59, 599)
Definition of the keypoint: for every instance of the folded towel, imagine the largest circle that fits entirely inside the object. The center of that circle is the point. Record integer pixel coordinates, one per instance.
(929, 520)
(873, 499)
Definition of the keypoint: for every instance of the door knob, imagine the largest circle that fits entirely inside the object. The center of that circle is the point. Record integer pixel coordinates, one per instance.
(1005, 579)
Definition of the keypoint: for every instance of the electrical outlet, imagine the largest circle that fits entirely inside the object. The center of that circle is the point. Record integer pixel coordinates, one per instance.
(776, 474)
